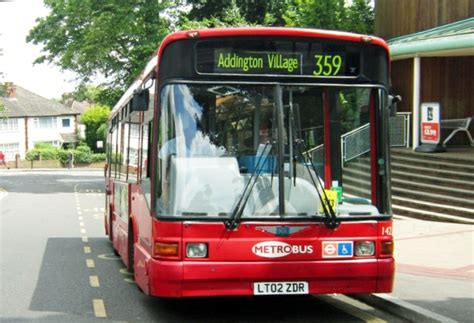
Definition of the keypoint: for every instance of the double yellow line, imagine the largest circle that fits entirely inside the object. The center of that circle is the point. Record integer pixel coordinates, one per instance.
(97, 304)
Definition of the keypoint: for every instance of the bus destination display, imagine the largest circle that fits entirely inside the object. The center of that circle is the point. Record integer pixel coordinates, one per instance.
(313, 60)
(277, 63)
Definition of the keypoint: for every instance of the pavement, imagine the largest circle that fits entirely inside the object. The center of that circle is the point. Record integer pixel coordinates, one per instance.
(434, 280)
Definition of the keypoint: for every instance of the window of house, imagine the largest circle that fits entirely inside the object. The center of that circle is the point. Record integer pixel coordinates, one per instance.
(66, 123)
(45, 122)
(8, 124)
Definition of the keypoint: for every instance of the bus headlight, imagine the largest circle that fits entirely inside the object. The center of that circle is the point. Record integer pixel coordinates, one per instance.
(196, 250)
(364, 248)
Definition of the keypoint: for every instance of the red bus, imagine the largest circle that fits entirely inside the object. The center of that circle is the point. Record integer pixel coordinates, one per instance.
(254, 161)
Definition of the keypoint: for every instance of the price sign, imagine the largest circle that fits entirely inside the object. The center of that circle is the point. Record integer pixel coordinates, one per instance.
(430, 133)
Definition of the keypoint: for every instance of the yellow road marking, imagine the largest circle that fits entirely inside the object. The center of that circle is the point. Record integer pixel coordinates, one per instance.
(85, 239)
(83, 230)
(87, 249)
(94, 281)
(99, 308)
(90, 263)
(124, 271)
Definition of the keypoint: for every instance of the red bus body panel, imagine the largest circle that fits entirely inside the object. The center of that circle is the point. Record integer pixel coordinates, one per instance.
(232, 267)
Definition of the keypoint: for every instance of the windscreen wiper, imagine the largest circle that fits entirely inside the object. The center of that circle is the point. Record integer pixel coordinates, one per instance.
(330, 216)
(238, 210)
(331, 220)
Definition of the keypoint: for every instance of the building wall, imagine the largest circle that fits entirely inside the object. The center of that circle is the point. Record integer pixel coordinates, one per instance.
(34, 133)
(395, 18)
(402, 83)
(12, 141)
(38, 134)
(449, 80)
(439, 83)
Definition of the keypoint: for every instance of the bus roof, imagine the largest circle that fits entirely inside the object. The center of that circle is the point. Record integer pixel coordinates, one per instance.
(270, 31)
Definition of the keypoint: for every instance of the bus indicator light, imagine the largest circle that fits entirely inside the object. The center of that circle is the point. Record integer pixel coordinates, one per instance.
(166, 249)
(387, 248)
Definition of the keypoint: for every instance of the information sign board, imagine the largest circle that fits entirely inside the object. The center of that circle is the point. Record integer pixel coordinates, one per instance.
(430, 129)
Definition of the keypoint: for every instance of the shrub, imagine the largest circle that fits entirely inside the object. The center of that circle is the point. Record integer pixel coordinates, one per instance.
(82, 158)
(98, 157)
(82, 154)
(43, 152)
(62, 156)
(32, 154)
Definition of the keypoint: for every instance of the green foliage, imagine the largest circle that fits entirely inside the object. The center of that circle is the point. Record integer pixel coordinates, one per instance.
(82, 154)
(93, 94)
(43, 151)
(95, 118)
(237, 12)
(98, 157)
(331, 14)
(102, 132)
(44, 145)
(229, 16)
(83, 92)
(96, 114)
(32, 155)
(2, 94)
(82, 157)
(112, 38)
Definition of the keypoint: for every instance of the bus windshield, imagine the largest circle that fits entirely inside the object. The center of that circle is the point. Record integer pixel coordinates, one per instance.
(262, 148)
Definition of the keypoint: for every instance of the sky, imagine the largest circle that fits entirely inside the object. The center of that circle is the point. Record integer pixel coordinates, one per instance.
(17, 56)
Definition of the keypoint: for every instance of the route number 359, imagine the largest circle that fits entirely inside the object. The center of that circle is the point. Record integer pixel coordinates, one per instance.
(327, 65)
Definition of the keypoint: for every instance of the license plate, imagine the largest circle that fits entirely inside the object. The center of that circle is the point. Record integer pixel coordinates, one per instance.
(280, 288)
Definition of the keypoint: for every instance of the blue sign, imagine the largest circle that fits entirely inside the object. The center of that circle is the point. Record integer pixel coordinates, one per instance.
(344, 249)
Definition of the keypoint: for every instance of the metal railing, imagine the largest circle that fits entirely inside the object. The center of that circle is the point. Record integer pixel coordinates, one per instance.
(399, 127)
(355, 143)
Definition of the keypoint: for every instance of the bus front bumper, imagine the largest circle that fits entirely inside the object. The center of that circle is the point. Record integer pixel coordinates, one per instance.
(199, 278)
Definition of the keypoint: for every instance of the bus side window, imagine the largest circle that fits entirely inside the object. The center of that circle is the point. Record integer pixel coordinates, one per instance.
(145, 150)
(144, 164)
(115, 150)
(133, 148)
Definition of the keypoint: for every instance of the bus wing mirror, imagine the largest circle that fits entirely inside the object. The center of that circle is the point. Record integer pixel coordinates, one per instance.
(140, 101)
(392, 104)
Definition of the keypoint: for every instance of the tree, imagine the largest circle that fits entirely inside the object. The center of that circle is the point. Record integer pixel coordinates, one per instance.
(94, 118)
(2, 94)
(331, 14)
(253, 12)
(112, 38)
(93, 94)
(361, 17)
(229, 15)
